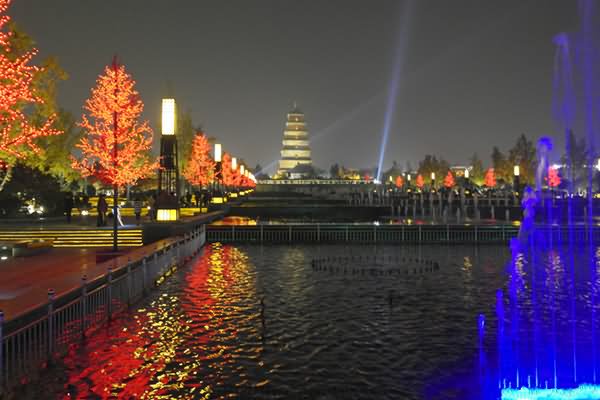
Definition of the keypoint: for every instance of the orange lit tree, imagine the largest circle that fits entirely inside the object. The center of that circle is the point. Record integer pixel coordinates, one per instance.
(200, 167)
(420, 181)
(227, 175)
(18, 95)
(399, 182)
(553, 177)
(449, 180)
(116, 147)
(490, 178)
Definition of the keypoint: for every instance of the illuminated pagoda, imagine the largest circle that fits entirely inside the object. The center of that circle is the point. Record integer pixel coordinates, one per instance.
(296, 149)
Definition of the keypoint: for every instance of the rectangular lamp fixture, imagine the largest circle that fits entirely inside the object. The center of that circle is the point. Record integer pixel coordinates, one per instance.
(168, 117)
(166, 214)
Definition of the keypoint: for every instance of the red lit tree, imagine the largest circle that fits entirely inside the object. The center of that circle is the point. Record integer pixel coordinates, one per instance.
(227, 175)
(200, 167)
(399, 182)
(116, 146)
(553, 178)
(490, 178)
(17, 93)
(420, 181)
(449, 180)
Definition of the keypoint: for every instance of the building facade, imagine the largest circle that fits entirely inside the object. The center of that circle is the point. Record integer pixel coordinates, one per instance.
(296, 147)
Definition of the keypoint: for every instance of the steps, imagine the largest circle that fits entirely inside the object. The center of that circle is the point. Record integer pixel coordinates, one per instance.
(74, 237)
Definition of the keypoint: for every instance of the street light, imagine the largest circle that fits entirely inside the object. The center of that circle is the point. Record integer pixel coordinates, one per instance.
(167, 202)
(433, 180)
(218, 173)
(466, 173)
(516, 181)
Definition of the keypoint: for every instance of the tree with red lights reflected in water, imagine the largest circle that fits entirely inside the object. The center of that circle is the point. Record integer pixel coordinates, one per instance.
(200, 167)
(17, 94)
(226, 172)
(116, 149)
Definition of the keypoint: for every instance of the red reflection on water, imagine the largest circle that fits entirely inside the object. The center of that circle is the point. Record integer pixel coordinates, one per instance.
(148, 354)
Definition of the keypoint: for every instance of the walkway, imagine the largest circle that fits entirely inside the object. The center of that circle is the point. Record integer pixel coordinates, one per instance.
(24, 281)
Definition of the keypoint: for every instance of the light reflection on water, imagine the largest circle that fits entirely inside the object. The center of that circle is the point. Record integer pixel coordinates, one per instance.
(321, 333)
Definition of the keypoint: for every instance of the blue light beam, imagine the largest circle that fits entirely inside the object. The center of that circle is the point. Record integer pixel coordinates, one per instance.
(406, 13)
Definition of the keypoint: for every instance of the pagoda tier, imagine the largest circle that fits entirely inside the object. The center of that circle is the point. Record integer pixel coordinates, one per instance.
(296, 146)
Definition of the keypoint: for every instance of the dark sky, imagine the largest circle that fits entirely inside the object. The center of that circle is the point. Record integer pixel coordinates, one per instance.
(475, 72)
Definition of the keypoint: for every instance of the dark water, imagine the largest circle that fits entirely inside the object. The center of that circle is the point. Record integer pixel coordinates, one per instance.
(400, 327)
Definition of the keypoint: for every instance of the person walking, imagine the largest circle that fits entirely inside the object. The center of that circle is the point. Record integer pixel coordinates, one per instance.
(102, 208)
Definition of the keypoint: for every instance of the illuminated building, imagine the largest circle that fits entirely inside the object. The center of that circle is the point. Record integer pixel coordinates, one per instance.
(296, 148)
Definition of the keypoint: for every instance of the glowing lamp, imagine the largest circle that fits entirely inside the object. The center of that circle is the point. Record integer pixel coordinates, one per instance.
(391, 179)
(233, 163)
(598, 165)
(166, 214)
(408, 177)
(168, 117)
(516, 170)
(233, 195)
(433, 176)
(467, 173)
(217, 152)
(242, 169)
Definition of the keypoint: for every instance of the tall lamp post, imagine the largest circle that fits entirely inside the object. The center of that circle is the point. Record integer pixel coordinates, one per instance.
(433, 181)
(516, 181)
(167, 202)
(218, 174)
(234, 191)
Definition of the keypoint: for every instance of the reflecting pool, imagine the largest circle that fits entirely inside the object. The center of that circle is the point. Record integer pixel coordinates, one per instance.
(315, 322)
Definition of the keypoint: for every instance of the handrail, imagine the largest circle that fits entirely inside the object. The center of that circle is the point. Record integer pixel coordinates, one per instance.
(51, 327)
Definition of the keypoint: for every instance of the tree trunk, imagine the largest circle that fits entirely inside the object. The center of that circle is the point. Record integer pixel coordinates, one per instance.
(115, 222)
(7, 177)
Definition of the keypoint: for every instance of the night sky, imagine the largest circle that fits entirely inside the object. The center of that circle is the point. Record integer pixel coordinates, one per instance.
(473, 73)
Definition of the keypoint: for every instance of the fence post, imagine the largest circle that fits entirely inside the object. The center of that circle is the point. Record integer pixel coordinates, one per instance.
(144, 275)
(503, 236)
(420, 234)
(1, 354)
(319, 232)
(51, 294)
(233, 233)
(290, 233)
(129, 283)
(447, 233)
(347, 233)
(374, 233)
(109, 293)
(476, 235)
(83, 303)
(261, 233)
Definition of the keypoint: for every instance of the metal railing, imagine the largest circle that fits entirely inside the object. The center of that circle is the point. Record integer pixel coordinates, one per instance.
(48, 331)
(334, 233)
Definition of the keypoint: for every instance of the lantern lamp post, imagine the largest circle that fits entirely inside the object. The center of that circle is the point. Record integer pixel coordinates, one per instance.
(516, 181)
(217, 196)
(167, 202)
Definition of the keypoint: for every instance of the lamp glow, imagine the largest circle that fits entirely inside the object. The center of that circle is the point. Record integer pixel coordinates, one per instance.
(242, 169)
(408, 177)
(516, 170)
(467, 173)
(433, 176)
(217, 152)
(233, 163)
(166, 215)
(168, 117)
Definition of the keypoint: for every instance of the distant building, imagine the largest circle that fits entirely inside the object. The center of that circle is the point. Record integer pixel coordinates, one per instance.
(296, 148)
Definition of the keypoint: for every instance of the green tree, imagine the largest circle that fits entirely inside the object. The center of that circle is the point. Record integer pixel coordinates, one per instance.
(55, 159)
(185, 136)
(500, 163)
(477, 172)
(575, 159)
(523, 154)
(432, 164)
